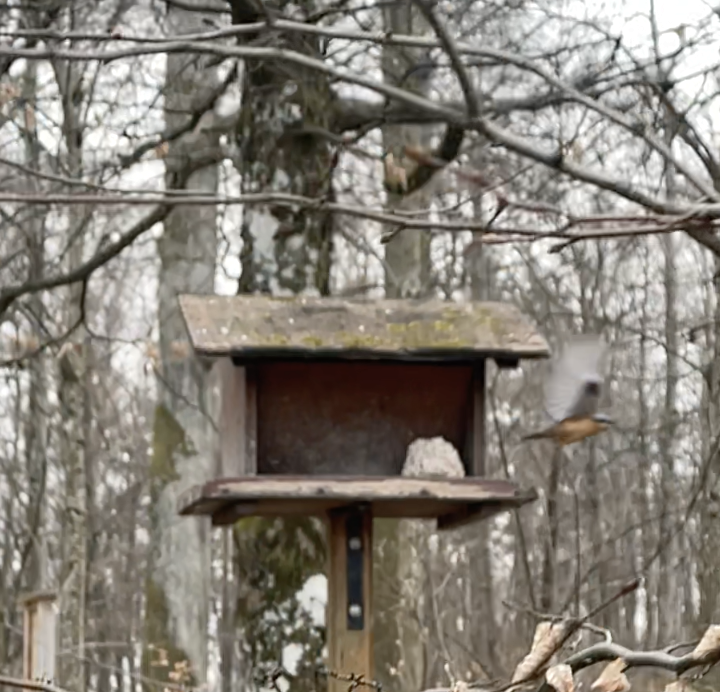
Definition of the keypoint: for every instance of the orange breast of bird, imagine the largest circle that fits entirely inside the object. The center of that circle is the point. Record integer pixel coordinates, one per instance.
(573, 430)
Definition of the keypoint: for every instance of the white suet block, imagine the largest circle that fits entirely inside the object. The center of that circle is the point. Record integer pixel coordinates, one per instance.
(433, 456)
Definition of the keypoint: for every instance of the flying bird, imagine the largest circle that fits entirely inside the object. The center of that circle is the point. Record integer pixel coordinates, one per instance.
(573, 390)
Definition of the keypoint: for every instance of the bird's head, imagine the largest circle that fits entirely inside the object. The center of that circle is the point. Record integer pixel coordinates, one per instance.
(603, 419)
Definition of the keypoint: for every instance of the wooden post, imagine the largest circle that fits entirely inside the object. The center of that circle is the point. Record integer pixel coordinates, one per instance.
(349, 609)
(475, 439)
(39, 635)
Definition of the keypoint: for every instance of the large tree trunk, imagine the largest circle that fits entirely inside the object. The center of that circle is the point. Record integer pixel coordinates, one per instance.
(282, 149)
(74, 401)
(407, 255)
(35, 424)
(285, 111)
(400, 656)
(32, 404)
(74, 405)
(178, 584)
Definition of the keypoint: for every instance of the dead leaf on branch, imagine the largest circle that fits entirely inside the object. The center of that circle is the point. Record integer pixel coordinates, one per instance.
(181, 672)
(395, 176)
(680, 685)
(161, 658)
(613, 678)
(560, 677)
(29, 118)
(709, 644)
(161, 150)
(547, 640)
(9, 92)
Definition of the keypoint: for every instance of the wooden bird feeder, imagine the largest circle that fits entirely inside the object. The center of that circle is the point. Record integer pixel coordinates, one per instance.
(321, 398)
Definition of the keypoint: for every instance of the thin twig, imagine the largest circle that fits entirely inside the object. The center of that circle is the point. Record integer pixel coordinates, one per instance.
(547, 617)
(354, 680)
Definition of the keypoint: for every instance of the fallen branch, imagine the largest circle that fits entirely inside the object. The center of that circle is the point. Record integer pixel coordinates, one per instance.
(549, 640)
(707, 653)
(604, 651)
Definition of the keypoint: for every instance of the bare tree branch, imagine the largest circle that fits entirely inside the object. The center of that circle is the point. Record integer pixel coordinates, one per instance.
(605, 651)
(443, 113)
(448, 44)
(492, 131)
(9, 294)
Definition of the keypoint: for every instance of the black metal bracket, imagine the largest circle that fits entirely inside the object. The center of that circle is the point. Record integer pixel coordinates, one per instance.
(355, 567)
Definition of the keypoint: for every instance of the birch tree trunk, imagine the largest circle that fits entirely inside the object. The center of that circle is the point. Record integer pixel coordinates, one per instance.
(643, 491)
(178, 584)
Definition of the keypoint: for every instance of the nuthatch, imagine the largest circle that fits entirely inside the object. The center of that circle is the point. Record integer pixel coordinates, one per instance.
(572, 392)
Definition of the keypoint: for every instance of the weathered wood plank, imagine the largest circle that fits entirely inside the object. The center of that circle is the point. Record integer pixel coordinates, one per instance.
(226, 500)
(238, 419)
(352, 487)
(232, 418)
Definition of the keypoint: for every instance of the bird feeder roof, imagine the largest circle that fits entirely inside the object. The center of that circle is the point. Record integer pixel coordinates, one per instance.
(254, 327)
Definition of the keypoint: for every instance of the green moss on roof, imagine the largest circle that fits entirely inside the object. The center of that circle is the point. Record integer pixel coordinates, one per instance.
(225, 325)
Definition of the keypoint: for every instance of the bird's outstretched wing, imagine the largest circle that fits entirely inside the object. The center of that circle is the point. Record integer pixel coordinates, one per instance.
(575, 382)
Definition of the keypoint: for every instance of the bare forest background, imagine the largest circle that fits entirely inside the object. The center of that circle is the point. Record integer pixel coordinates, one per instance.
(559, 155)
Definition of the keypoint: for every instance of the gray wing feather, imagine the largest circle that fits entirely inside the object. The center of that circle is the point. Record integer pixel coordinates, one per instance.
(575, 382)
